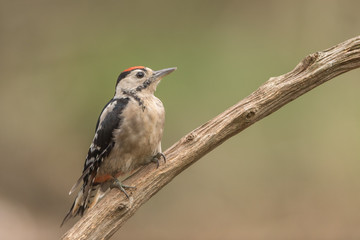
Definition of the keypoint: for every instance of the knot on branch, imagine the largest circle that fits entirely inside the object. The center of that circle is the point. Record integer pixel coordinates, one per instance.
(250, 114)
(189, 137)
(306, 63)
(121, 207)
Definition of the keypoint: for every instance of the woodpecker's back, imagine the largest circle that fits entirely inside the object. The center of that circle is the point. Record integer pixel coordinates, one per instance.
(127, 135)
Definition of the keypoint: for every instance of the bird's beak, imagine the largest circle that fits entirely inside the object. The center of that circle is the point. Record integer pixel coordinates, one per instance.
(163, 72)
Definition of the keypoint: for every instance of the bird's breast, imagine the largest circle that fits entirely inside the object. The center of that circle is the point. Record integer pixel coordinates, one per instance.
(139, 134)
(143, 121)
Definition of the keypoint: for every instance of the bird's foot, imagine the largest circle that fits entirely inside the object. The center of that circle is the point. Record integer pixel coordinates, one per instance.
(157, 157)
(119, 185)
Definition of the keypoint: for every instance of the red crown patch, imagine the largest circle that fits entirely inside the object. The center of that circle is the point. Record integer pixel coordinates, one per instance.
(133, 68)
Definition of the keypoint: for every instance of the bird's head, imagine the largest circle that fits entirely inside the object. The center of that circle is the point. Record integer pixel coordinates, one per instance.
(140, 79)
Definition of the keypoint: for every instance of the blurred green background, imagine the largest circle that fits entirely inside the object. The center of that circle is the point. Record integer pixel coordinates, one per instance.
(293, 175)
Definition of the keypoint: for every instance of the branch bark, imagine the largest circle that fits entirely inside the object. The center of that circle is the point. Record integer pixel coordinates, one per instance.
(103, 220)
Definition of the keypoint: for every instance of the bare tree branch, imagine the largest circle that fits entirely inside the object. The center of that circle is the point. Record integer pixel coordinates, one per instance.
(114, 210)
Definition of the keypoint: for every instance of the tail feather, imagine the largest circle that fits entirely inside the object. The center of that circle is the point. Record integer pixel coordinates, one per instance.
(82, 203)
(76, 184)
(68, 216)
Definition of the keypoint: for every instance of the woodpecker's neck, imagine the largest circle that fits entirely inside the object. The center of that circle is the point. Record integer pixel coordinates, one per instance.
(134, 95)
(148, 87)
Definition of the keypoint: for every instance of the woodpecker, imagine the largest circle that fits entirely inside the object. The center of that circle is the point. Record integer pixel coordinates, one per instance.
(127, 135)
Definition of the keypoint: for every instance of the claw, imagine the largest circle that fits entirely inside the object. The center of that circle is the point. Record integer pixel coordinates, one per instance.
(163, 156)
(117, 184)
(156, 159)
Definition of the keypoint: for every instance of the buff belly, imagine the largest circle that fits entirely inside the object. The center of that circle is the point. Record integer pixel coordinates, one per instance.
(138, 138)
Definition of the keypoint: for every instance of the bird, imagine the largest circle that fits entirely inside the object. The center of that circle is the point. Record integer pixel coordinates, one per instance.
(128, 135)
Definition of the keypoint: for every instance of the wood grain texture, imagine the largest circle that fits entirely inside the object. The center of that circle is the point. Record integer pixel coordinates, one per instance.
(102, 221)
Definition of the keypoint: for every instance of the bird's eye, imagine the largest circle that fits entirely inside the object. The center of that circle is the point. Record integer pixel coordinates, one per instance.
(140, 74)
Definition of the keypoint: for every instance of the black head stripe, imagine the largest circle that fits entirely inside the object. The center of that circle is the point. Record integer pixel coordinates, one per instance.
(126, 72)
(144, 85)
(122, 76)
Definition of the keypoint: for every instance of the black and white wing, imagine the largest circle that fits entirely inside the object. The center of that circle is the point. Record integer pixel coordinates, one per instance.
(109, 120)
